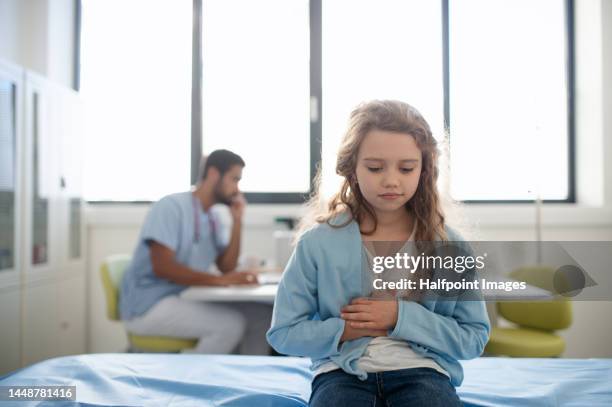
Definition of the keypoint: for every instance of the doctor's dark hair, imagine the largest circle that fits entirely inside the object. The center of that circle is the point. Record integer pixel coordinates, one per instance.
(222, 160)
(425, 205)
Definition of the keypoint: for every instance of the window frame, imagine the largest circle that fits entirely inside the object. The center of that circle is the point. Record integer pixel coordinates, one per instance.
(570, 100)
(198, 138)
(316, 98)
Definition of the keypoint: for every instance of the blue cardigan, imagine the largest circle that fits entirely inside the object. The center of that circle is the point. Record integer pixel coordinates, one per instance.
(324, 274)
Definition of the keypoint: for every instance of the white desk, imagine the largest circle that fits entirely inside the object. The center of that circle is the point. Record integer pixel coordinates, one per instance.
(260, 293)
(267, 293)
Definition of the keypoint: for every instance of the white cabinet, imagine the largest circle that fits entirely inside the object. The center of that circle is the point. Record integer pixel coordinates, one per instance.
(11, 215)
(40, 322)
(11, 155)
(53, 318)
(71, 311)
(10, 337)
(43, 233)
(42, 265)
(69, 135)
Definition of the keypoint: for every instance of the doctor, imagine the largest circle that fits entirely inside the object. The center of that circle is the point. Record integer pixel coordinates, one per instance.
(179, 242)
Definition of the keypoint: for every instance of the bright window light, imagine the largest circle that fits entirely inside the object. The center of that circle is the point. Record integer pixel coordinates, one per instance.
(507, 74)
(378, 49)
(256, 92)
(136, 87)
(508, 100)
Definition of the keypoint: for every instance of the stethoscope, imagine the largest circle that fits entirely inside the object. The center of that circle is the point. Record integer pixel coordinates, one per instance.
(196, 222)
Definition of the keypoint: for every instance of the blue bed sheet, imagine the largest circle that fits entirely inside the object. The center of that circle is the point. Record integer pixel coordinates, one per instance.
(253, 381)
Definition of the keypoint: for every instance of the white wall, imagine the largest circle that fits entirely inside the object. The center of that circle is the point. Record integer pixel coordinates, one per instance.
(9, 34)
(115, 230)
(39, 35)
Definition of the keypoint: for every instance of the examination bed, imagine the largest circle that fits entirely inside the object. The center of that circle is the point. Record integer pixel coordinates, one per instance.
(253, 381)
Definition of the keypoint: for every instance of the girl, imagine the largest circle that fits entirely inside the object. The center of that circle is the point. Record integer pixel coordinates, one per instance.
(368, 351)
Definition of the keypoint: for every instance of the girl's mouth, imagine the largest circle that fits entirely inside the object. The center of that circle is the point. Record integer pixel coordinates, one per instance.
(390, 196)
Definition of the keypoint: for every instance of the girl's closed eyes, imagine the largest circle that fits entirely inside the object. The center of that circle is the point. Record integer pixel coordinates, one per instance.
(378, 169)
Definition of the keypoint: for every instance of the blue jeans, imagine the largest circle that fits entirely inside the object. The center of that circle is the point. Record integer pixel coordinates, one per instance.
(394, 388)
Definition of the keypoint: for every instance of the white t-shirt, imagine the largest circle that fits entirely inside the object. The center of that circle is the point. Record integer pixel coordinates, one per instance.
(384, 353)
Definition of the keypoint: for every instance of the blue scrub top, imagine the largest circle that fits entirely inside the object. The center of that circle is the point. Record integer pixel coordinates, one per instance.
(178, 222)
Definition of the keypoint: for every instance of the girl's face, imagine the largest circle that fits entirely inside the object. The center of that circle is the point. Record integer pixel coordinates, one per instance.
(388, 169)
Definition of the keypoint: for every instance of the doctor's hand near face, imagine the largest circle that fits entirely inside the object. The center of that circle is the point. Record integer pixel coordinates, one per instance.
(237, 206)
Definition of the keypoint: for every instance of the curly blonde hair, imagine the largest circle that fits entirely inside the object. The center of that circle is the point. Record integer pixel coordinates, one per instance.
(425, 206)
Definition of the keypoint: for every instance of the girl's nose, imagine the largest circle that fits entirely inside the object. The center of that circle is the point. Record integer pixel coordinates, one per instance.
(390, 181)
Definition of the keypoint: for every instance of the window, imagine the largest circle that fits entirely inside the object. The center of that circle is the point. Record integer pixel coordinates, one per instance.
(136, 87)
(508, 100)
(388, 49)
(256, 89)
(278, 79)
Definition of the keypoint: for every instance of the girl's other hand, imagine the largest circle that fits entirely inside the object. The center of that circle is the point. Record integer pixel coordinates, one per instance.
(364, 313)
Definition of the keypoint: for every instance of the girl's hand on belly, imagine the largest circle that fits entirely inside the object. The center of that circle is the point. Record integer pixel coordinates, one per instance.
(351, 333)
(364, 313)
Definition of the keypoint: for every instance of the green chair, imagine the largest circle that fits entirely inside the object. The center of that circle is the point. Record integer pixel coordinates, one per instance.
(112, 271)
(537, 320)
